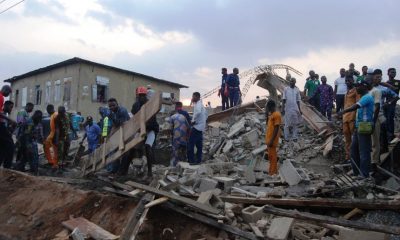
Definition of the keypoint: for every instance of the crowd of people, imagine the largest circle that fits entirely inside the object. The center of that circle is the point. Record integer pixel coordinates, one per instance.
(365, 105)
(56, 130)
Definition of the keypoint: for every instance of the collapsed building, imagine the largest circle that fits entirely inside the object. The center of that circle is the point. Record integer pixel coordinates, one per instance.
(229, 196)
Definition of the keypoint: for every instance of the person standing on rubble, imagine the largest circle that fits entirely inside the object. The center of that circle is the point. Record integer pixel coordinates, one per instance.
(361, 142)
(180, 130)
(310, 87)
(340, 90)
(390, 110)
(196, 133)
(224, 90)
(152, 128)
(234, 87)
(274, 120)
(93, 133)
(291, 110)
(364, 70)
(349, 118)
(105, 123)
(118, 115)
(62, 140)
(6, 141)
(50, 149)
(31, 133)
(325, 93)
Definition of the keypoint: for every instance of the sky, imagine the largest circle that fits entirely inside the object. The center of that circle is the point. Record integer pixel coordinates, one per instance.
(189, 41)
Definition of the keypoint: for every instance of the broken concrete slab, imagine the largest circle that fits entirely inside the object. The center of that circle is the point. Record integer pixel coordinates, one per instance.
(252, 214)
(210, 198)
(259, 150)
(289, 173)
(226, 183)
(280, 228)
(250, 139)
(236, 128)
(207, 184)
(228, 146)
(350, 234)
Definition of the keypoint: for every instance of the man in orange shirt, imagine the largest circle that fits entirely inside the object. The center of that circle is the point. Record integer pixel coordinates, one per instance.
(349, 118)
(274, 120)
(50, 149)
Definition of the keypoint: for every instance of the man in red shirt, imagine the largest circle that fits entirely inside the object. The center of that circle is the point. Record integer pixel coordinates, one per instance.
(6, 142)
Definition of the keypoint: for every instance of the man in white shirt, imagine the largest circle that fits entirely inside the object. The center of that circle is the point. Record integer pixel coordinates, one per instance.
(198, 127)
(340, 90)
(291, 110)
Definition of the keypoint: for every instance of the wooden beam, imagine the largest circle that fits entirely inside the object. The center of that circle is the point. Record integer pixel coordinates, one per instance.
(89, 229)
(125, 137)
(172, 196)
(321, 203)
(320, 219)
(156, 202)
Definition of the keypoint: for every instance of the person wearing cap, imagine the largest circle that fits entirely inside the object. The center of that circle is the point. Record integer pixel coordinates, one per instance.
(234, 87)
(224, 91)
(152, 128)
(291, 110)
(391, 108)
(349, 118)
(150, 92)
(340, 90)
(93, 133)
(6, 141)
(361, 141)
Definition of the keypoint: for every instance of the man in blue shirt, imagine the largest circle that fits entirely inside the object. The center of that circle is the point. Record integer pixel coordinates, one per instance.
(222, 93)
(361, 142)
(92, 133)
(234, 87)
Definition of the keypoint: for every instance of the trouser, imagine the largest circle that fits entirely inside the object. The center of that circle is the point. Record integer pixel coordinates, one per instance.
(339, 102)
(361, 154)
(273, 160)
(376, 145)
(326, 110)
(29, 153)
(383, 138)
(389, 114)
(7, 147)
(63, 147)
(195, 139)
(348, 130)
(178, 153)
(225, 102)
(290, 135)
(51, 152)
(233, 97)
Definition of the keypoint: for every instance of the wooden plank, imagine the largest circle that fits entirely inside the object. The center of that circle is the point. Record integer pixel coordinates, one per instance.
(156, 202)
(88, 228)
(321, 203)
(172, 196)
(319, 219)
(127, 131)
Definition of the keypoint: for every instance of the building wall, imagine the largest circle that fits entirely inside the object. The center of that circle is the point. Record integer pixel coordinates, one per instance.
(83, 78)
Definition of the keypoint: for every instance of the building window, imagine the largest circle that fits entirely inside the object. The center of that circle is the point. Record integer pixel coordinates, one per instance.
(24, 96)
(100, 89)
(16, 97)
(38, 94)
(67, 89)
(57, 91)
(48, 92)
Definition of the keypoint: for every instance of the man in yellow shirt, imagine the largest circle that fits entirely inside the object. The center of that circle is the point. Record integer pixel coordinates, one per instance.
(274, 120)
(349, 118)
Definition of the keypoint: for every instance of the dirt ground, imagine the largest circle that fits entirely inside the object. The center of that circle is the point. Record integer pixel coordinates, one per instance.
(33, 208)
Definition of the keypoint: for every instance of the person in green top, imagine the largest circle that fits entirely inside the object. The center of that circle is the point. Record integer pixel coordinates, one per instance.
(311, 86)
(364, 74)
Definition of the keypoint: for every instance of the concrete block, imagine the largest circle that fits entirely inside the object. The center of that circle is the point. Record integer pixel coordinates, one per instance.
(214, 132)
(207, 184)
(289, 173)
(252, 214)
(210, 198)
(226, 183)
(280, 228)
(236, 128)
(228, 146)
(350, 234)
(250, 139)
